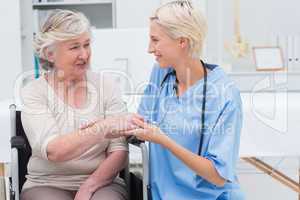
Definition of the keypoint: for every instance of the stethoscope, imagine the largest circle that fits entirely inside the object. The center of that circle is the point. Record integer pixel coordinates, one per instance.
(175, 87)
(162, 85)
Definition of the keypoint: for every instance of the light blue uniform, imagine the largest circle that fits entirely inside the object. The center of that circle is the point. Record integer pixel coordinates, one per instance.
(180, 119)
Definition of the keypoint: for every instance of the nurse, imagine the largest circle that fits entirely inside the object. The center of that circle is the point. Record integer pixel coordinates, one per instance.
(192, 113)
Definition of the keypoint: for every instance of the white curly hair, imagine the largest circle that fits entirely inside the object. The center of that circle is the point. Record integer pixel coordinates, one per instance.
(60, 25)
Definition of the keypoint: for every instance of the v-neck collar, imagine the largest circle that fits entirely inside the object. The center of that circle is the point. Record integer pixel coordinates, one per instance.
(212, 71)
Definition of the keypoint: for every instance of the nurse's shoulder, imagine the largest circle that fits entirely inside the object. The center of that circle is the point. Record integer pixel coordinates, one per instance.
(158, 74)
(226, 87)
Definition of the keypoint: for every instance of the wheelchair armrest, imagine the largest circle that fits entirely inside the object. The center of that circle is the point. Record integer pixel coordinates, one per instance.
(134, 141)
(18, 142)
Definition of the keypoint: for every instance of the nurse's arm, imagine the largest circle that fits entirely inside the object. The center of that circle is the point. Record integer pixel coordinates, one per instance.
(202, 166)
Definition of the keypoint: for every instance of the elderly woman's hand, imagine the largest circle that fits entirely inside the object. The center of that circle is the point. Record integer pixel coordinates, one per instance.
(84, 193)
(122, 123)
(146, 131)
(113, 127)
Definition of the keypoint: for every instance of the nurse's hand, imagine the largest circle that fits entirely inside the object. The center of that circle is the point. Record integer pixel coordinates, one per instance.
(113, 126)
(146, 132)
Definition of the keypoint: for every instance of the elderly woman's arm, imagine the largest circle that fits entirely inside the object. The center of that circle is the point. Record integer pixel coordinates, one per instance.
(104, 175)
(69, 146)
(45, 137)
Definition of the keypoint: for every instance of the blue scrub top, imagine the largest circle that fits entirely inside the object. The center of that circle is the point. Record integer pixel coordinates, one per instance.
(180, 119)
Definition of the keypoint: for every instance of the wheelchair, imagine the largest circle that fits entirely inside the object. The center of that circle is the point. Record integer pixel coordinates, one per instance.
(21, 151)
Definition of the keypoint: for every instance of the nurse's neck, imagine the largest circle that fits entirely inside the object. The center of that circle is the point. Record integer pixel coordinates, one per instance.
(188, 72)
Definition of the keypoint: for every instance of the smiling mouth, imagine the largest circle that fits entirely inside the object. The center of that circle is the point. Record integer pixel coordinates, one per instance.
(81, 65)
(157, 57)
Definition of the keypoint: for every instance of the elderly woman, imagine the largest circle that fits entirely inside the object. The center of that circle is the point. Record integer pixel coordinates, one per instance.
(71, 159)
(192, 112)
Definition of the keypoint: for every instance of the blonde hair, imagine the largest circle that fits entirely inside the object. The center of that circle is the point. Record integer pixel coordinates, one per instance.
(60, 25)
(180, 18)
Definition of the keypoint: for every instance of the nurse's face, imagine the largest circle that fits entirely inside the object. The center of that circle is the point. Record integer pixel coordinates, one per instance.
(72, 57)
(166, 50)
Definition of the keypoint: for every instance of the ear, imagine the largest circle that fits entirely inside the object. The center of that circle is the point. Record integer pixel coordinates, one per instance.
(183, 42)
(49, 55)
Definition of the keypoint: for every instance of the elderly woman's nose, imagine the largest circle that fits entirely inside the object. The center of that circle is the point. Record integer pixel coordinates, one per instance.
(84, 53)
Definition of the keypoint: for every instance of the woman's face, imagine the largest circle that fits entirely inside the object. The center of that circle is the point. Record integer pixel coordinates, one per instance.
(166, 50)
(72, 57)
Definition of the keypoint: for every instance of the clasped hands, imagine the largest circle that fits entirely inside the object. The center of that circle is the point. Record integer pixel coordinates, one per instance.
(126, 125)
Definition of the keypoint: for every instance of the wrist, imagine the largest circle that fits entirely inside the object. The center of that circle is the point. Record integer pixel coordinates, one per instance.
(163, 139)
(90, 185)
(99, 129)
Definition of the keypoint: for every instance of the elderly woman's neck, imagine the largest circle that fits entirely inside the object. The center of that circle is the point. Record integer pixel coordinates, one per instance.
(58, 79)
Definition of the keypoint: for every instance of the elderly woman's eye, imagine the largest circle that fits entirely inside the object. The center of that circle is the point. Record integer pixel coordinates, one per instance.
(86, 45)
(74, 47)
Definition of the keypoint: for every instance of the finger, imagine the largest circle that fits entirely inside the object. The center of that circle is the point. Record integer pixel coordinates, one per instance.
(138, 123)
(140, 117)
(90, 124)
(141, 134)
(121, 133)
(125, 133)
(113, 136)
(142, 124)
(132, 117)
(132, 126)
(129, 132)
(84, 126)
(133, 132)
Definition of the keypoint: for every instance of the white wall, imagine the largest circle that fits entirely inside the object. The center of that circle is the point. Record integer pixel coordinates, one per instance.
(27, 36)
(134, 13)
(10, 54)
(124, 50)
(261, 20)
(10, 48)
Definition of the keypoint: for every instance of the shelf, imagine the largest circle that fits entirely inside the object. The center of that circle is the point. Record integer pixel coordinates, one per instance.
(101, 13)
(260, 73)
(69, 3)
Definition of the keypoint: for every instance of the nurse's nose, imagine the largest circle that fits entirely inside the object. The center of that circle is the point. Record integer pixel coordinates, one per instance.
(150, 48)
